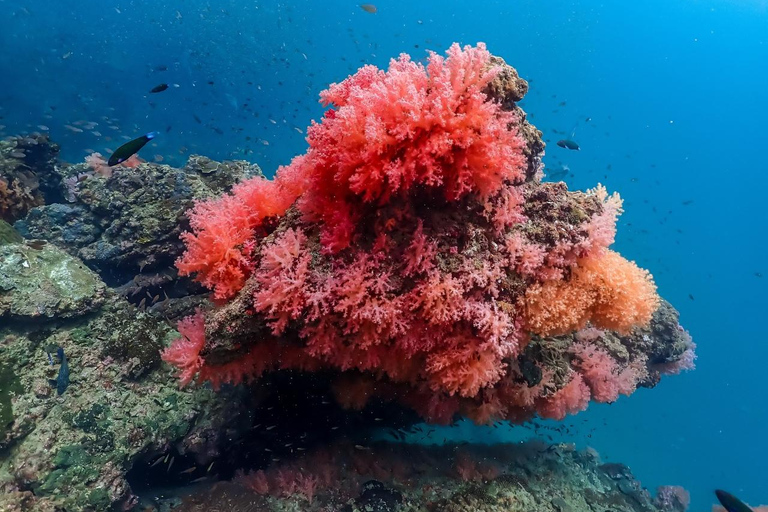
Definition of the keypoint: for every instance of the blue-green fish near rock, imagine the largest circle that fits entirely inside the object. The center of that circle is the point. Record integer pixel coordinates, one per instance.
(731, 502)
(130, 148)
(568, 144)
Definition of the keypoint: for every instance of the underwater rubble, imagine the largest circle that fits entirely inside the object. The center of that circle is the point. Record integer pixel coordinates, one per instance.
(92, 419)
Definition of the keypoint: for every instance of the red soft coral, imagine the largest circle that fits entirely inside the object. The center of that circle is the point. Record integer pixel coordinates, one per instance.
(405, 254)
(411, 125)
(217, 245)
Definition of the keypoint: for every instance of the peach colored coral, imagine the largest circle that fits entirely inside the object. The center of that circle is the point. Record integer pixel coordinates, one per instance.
(604, 289)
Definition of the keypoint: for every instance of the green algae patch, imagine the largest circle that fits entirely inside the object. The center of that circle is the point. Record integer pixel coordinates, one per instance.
(8, 235)
(70, 456)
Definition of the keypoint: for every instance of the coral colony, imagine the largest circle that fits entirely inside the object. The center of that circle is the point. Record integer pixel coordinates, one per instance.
(414, 252)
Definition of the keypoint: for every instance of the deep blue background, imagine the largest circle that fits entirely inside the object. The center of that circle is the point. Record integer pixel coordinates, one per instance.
(677, 96)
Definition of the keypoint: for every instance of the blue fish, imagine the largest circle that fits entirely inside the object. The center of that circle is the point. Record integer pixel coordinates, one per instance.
(731, 502)
(568, 144)
(62, 381)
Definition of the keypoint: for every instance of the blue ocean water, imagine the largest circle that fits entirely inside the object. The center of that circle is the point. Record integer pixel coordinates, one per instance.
(676, 97)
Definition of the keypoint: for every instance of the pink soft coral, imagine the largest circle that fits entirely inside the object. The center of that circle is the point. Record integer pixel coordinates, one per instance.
(282, 276)
(184, 353)
(572, 398)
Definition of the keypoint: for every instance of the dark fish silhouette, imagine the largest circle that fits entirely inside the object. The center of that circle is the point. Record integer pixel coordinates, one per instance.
(130, 148)
(568, 144)
(369, 8)
(731, 502)
(159, 88)
(62, 380)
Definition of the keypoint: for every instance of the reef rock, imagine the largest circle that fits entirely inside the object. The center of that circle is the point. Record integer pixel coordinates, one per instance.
(45, 282)
(130, 220)
(121, 410)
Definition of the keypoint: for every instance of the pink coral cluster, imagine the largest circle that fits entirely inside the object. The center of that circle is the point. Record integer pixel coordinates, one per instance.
(342, 469)
(407, 248)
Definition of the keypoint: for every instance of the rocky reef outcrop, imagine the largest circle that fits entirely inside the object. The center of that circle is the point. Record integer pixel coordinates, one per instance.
(448, 302)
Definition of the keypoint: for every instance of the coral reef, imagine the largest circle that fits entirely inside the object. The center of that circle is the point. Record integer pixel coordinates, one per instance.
(414, 253)
(26, 171)
(404, 478)
(410, 265)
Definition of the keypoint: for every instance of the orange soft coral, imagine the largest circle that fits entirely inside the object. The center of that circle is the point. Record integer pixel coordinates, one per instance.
(604, 289)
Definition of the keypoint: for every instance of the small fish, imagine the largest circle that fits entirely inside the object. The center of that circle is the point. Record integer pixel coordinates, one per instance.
(731, 502)
(36, 244)
(159, 88)
(62, 380)
(129, 149)
(201, 479)
(369, 8)
(568, 144)
(187, 471)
